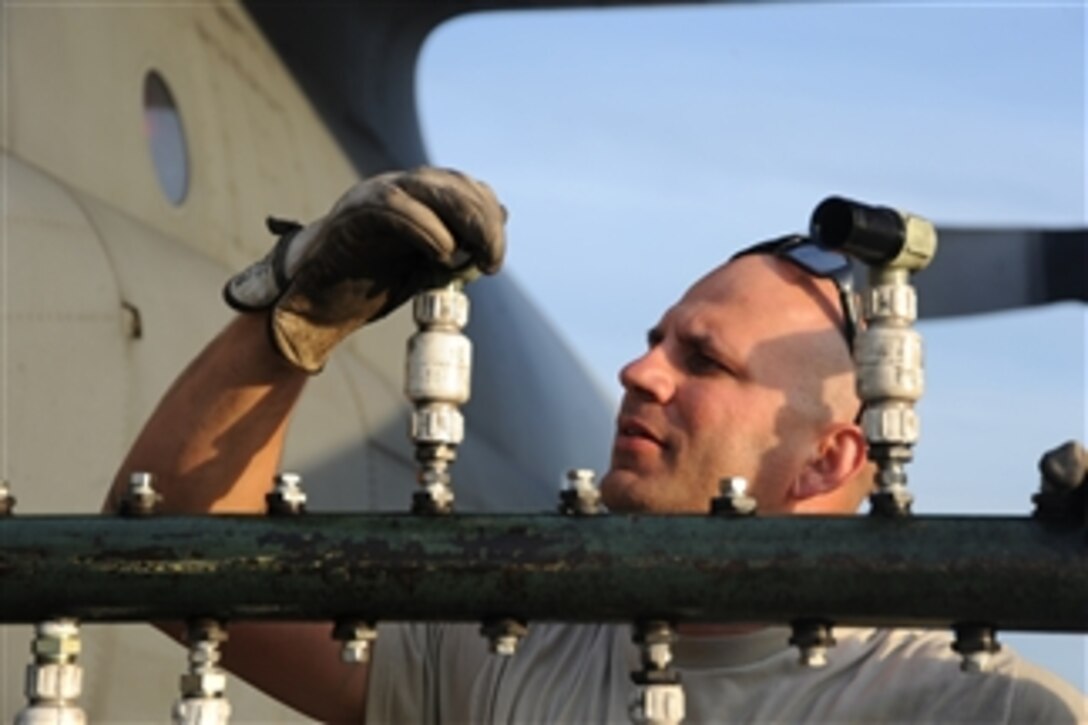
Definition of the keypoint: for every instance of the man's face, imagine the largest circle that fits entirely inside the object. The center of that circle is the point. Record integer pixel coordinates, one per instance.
(742, 377)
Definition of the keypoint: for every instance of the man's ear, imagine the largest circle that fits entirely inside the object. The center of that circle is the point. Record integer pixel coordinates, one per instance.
(824, 484)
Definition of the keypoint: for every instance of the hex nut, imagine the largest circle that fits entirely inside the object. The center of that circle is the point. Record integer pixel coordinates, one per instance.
(288, 479)
(355, 652)
(814, 656)
(975, 643)
(504, 635)
(203, 684)
(812, 638)
(437, 424)
(580, 497)
(434, 477)
(206, 630)
(356, 637)
(446, 307)
(659, 703)
(439, 497)
(894, 501)
(658, 654)
(349, 629)
(506, 645)
(140, 497)
(7, 501)
(141, 482)
(734, 500)
(204, 655)
(54, 681)
(285, 502)
(202, 710)
(974, 662)
(56, 647)
(142, 503)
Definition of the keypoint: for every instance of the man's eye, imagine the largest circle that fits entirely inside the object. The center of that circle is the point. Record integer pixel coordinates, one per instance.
(700, 362)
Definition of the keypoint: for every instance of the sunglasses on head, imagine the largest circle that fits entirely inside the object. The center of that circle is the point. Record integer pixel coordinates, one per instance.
(802, 252)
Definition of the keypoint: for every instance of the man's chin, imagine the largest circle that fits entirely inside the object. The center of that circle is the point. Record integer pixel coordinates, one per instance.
(625, 492)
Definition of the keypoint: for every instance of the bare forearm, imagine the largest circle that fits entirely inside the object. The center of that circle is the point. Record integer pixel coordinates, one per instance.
(214, 443)
(215, 438)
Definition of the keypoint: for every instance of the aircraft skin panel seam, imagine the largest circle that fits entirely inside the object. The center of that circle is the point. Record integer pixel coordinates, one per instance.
(359, 405)
(378, 445)
(87, 217)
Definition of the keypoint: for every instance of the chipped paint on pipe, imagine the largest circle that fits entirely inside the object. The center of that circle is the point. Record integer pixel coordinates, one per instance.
(1015, 573)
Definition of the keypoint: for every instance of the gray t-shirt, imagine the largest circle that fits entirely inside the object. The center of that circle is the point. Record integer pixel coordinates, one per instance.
(443, 673)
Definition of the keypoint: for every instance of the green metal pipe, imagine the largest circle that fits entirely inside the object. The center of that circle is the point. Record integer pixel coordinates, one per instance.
(1014, 573)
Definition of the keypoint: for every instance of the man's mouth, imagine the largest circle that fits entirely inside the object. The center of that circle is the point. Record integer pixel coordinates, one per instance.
(634, 430)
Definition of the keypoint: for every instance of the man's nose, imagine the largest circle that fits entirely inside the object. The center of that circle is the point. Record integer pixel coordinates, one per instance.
(649, 375)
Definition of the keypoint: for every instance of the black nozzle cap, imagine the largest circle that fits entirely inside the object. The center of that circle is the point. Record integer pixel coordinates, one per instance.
(873, 234)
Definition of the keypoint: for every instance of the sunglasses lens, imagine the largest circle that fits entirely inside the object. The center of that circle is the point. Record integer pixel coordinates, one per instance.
(820, 262)
(834, 266)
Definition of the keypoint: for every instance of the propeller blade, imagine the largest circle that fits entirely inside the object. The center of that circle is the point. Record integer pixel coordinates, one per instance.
(986, 270)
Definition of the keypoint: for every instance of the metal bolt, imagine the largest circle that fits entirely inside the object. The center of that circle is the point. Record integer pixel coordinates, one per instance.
(658, 704)
(57, 647)
(813, 657)
(733, 486)
(436, 498)
(140, 483)
(140, 498)
(7, 501)
(54, 680)
(894, 502)
(654, 639)
(504, 635)
(975, 643)
(659, 699)
(203, 687)
(436, 428)
(974, 662)
(287, 497)
(812, 637)
(205, 629)
(357, 640)
(201, 711)
(56, 640)
(203, 684)
(445, 307)
(892, 499)
(581, 497)
(734, 500)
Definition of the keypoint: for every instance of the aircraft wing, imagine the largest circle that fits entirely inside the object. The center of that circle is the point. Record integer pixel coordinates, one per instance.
(357, 63)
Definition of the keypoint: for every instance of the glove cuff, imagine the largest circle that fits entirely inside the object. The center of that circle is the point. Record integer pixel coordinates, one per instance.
(302, 344)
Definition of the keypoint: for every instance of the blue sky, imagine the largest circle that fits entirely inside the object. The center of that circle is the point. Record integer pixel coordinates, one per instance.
(637, 148)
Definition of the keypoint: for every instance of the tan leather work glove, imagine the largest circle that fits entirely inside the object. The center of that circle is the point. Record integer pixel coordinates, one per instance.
(387, 238)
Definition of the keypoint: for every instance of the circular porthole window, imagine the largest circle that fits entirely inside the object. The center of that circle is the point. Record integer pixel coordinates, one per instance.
(166, 138)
